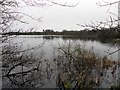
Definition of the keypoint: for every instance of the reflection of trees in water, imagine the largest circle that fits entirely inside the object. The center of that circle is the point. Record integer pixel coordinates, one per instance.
(109, 42)
(51, 36)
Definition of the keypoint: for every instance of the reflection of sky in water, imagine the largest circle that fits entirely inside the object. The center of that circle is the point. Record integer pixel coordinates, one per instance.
(50, 44)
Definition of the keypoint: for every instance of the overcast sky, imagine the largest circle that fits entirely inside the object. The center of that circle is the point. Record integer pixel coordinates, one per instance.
(58, 17)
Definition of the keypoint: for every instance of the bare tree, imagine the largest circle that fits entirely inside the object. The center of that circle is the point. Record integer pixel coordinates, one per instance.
(109, 24)
(10, 14)
(21, 68)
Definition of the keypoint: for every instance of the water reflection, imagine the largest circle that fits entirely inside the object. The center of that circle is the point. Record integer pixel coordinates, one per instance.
(45, 71)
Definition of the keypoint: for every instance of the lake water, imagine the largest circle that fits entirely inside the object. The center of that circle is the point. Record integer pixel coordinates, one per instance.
(52, 43)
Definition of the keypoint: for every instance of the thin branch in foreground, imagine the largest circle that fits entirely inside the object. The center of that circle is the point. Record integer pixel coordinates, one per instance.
(111, 53)
(107, 3)
(65, 4)
(24, 72)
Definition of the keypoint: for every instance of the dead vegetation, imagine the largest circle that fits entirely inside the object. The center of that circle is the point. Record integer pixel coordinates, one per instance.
(81, 68)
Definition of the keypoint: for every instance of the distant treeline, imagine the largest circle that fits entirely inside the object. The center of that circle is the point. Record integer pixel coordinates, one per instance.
(99, 33)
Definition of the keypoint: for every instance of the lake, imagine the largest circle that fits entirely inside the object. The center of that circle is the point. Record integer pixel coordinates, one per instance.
(49, 50)
(53, 41)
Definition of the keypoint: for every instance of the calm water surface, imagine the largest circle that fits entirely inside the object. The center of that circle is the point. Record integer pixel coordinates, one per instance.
(52, 43)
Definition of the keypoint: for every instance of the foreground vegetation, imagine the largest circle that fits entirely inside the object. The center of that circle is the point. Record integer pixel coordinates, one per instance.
(76, 68)
(81, 68)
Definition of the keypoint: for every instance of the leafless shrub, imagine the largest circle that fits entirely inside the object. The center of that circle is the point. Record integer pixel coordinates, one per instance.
(23, 69)
(80, 68)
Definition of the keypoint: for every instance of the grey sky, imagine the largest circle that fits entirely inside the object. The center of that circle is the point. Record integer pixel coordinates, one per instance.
(58, 18)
